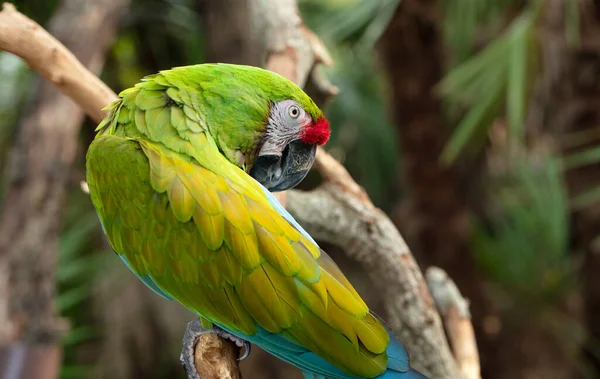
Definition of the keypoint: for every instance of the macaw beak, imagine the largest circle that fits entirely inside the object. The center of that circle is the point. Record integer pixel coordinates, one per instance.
(285, 171)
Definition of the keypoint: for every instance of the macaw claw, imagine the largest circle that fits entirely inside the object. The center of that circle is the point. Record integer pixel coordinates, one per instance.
(193, 331)
(246, 351)
(238, 341)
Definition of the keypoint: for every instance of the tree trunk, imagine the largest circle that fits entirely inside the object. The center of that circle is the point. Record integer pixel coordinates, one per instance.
(39, 170)
(229, 34)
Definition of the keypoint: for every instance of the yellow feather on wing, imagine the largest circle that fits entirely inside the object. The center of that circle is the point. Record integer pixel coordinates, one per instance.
(277, 250)
(182, 203)
(210, 227)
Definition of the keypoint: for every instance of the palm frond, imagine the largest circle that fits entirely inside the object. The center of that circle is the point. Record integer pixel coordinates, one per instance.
(74, 372)
(464, 21)
(359, 23)
(524, 249)
(500, 75)
(586, 199)
(572, 21)
(586, 157)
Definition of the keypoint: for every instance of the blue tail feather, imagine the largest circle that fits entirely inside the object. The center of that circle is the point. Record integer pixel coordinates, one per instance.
(290, 352)
(398, 362)
(315, 367)
(398, 359)
(309, 375)
(411, 374)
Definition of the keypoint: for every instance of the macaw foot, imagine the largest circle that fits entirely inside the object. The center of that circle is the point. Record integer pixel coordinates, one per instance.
(193, 331)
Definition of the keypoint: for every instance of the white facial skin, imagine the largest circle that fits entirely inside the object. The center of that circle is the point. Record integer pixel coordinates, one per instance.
(286, 120)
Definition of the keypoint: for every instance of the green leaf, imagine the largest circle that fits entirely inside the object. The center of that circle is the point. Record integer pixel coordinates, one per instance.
(73, 239)
(465, 20)
(586, 199)
(74, 371)
(72, 297)
(516, 89)
(572, 22)
(84, 265)
(78, 335)
(379, 24)
(475, 69)
(583, 158)
(466, 128)
(478, 84)
(525, 246)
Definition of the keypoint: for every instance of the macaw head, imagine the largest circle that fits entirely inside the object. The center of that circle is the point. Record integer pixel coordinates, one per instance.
(263, 123)
(289, 145)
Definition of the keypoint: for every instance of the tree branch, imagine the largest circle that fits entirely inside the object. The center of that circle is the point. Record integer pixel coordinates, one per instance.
(457, 319)
(51, 59)
(216, 357)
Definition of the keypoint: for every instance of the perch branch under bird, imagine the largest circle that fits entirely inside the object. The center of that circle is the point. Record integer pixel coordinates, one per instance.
(339, 211)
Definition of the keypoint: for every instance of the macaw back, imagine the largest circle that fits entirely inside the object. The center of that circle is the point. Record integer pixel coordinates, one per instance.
(196, 228)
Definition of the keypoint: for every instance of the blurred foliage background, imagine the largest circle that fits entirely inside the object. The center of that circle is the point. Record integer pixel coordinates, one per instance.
(474, 124)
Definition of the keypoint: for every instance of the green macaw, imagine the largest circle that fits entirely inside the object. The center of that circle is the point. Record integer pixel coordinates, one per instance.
(180, 173)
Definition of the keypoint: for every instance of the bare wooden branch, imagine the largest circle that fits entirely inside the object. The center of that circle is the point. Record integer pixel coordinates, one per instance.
(51, 59)
(457, 319)
(334, 173)
(216, 357)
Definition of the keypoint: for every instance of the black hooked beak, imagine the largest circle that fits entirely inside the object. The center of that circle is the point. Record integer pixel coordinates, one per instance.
(280, 173)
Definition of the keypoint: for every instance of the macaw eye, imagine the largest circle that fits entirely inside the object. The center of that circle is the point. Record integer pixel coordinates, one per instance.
(294, 111)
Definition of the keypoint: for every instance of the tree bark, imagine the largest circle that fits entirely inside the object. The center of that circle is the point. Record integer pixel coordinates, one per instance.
(38, 175)
(454, 310)
(229, 34)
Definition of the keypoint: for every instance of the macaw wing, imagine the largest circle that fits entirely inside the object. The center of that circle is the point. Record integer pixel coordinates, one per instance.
(214, 240)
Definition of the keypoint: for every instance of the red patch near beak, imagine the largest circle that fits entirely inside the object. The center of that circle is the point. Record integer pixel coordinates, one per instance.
(317, 132)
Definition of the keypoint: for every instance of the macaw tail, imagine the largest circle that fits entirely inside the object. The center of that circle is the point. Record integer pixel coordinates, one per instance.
(390, 374)
(398, 364)
(410, 374)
